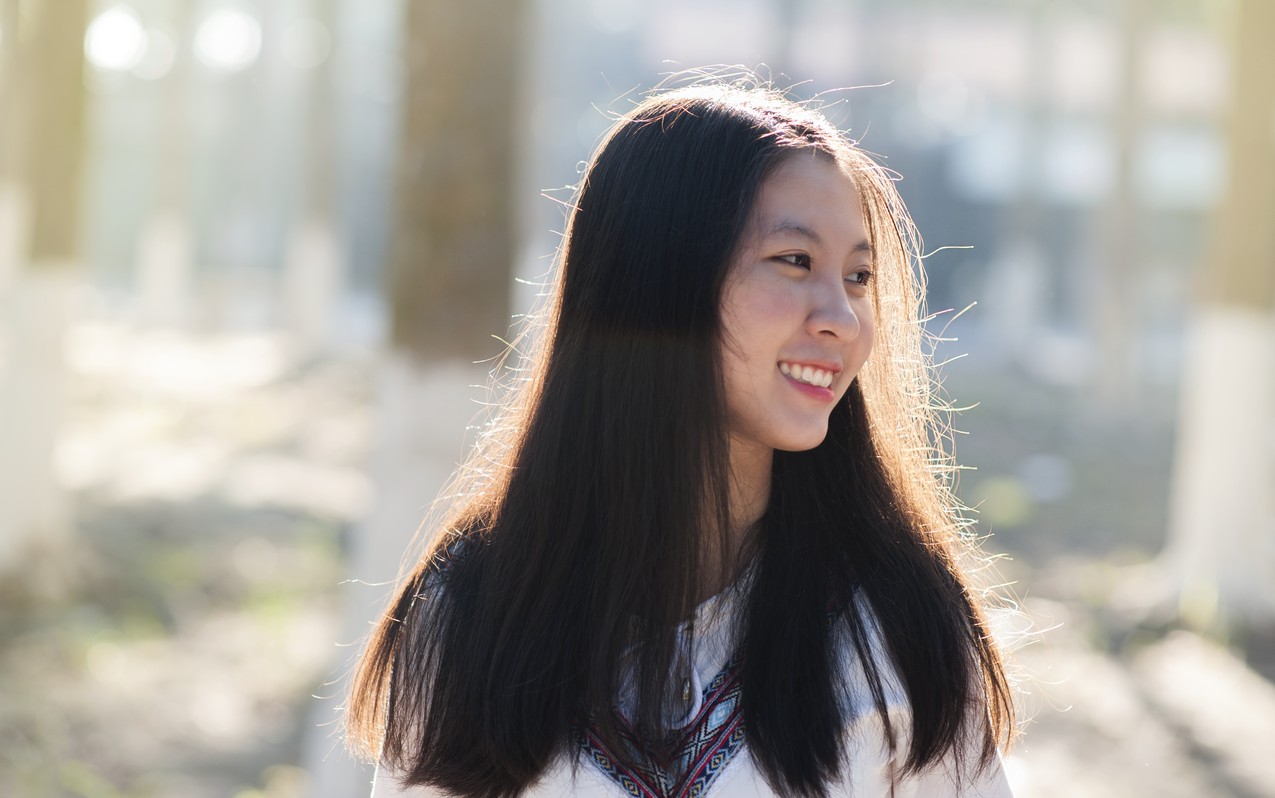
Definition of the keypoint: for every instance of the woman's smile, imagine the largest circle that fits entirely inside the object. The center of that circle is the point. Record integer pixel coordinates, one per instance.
(818, 376)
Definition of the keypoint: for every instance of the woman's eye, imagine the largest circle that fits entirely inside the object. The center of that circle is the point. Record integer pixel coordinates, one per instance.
(859, 278)
(798, 259)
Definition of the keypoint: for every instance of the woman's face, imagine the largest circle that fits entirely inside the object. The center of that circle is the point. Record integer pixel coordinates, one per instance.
(796, 309)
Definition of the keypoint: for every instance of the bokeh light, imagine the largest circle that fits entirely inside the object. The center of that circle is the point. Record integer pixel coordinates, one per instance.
(115, 40)
(228, 40)
(161, 54)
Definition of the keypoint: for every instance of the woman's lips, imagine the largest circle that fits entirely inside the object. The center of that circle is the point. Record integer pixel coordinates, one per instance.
(813, 391)
(818, 375)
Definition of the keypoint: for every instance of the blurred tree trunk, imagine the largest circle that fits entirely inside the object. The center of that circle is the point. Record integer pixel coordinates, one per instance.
(32, 515)
(450, 269)
(453, 239)
(10, 107)
(1221, 549)
(1119, 227)
(314, 268)
(57, 131)
(1015, 304)
(15, 211)
(165, 249)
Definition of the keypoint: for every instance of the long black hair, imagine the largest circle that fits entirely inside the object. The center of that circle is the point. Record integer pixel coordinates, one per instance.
(587, 514)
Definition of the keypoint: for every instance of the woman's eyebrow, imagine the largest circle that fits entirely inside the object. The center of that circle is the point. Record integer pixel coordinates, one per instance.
(806, 232)
(795, 227)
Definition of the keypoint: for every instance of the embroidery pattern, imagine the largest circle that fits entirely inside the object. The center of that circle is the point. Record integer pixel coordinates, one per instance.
(702, 749)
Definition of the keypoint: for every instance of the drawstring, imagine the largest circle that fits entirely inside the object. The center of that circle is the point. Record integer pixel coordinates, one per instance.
(692, 690)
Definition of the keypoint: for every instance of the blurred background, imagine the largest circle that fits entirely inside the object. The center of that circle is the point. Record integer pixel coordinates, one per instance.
(256, 259)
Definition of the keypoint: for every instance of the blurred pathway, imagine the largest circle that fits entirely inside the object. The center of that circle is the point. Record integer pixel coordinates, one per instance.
(1184, 718)
(212, 485)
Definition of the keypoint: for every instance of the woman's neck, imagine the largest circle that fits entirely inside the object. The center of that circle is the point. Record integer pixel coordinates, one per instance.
(750, 466)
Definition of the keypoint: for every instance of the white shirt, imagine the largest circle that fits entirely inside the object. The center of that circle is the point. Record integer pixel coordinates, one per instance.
(712, 717)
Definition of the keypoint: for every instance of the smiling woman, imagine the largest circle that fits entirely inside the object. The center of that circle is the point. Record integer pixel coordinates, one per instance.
(797, 319)
(704, 550)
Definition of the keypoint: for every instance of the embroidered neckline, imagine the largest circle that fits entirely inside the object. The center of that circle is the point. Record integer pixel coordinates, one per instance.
(701, 749)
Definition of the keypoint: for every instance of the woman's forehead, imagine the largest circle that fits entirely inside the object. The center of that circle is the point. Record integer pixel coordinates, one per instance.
(804, 193)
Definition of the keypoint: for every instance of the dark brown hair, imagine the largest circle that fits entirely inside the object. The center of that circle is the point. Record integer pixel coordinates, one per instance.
(583, 512)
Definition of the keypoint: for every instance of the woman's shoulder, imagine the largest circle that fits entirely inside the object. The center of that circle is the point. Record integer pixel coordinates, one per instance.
(863, 654)
(870, 758)
(448, 557)
(451, 551)
(430, 593)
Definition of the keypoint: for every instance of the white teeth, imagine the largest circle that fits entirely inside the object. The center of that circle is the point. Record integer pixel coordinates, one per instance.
(807, 374)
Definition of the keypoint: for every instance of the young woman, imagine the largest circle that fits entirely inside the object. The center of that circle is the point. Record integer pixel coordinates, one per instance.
(708, 549)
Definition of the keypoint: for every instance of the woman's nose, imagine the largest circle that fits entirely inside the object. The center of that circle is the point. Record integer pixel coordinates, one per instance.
(833, 315)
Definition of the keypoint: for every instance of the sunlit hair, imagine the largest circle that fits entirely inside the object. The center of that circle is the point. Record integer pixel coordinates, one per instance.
(586, 513)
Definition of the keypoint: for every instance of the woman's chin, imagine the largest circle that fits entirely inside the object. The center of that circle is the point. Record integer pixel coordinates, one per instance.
(804, 441)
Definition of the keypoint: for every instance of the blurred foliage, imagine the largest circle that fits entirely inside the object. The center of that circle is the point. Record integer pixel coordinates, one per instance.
(140, 583)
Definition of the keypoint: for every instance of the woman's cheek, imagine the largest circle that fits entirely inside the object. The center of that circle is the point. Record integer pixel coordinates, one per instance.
(771, 304)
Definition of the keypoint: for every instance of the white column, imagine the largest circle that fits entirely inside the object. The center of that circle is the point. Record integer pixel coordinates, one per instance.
(33, 512)
(164, 269)
(15, 230)
(313, 281)
(422, 416)
(1221, 546)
